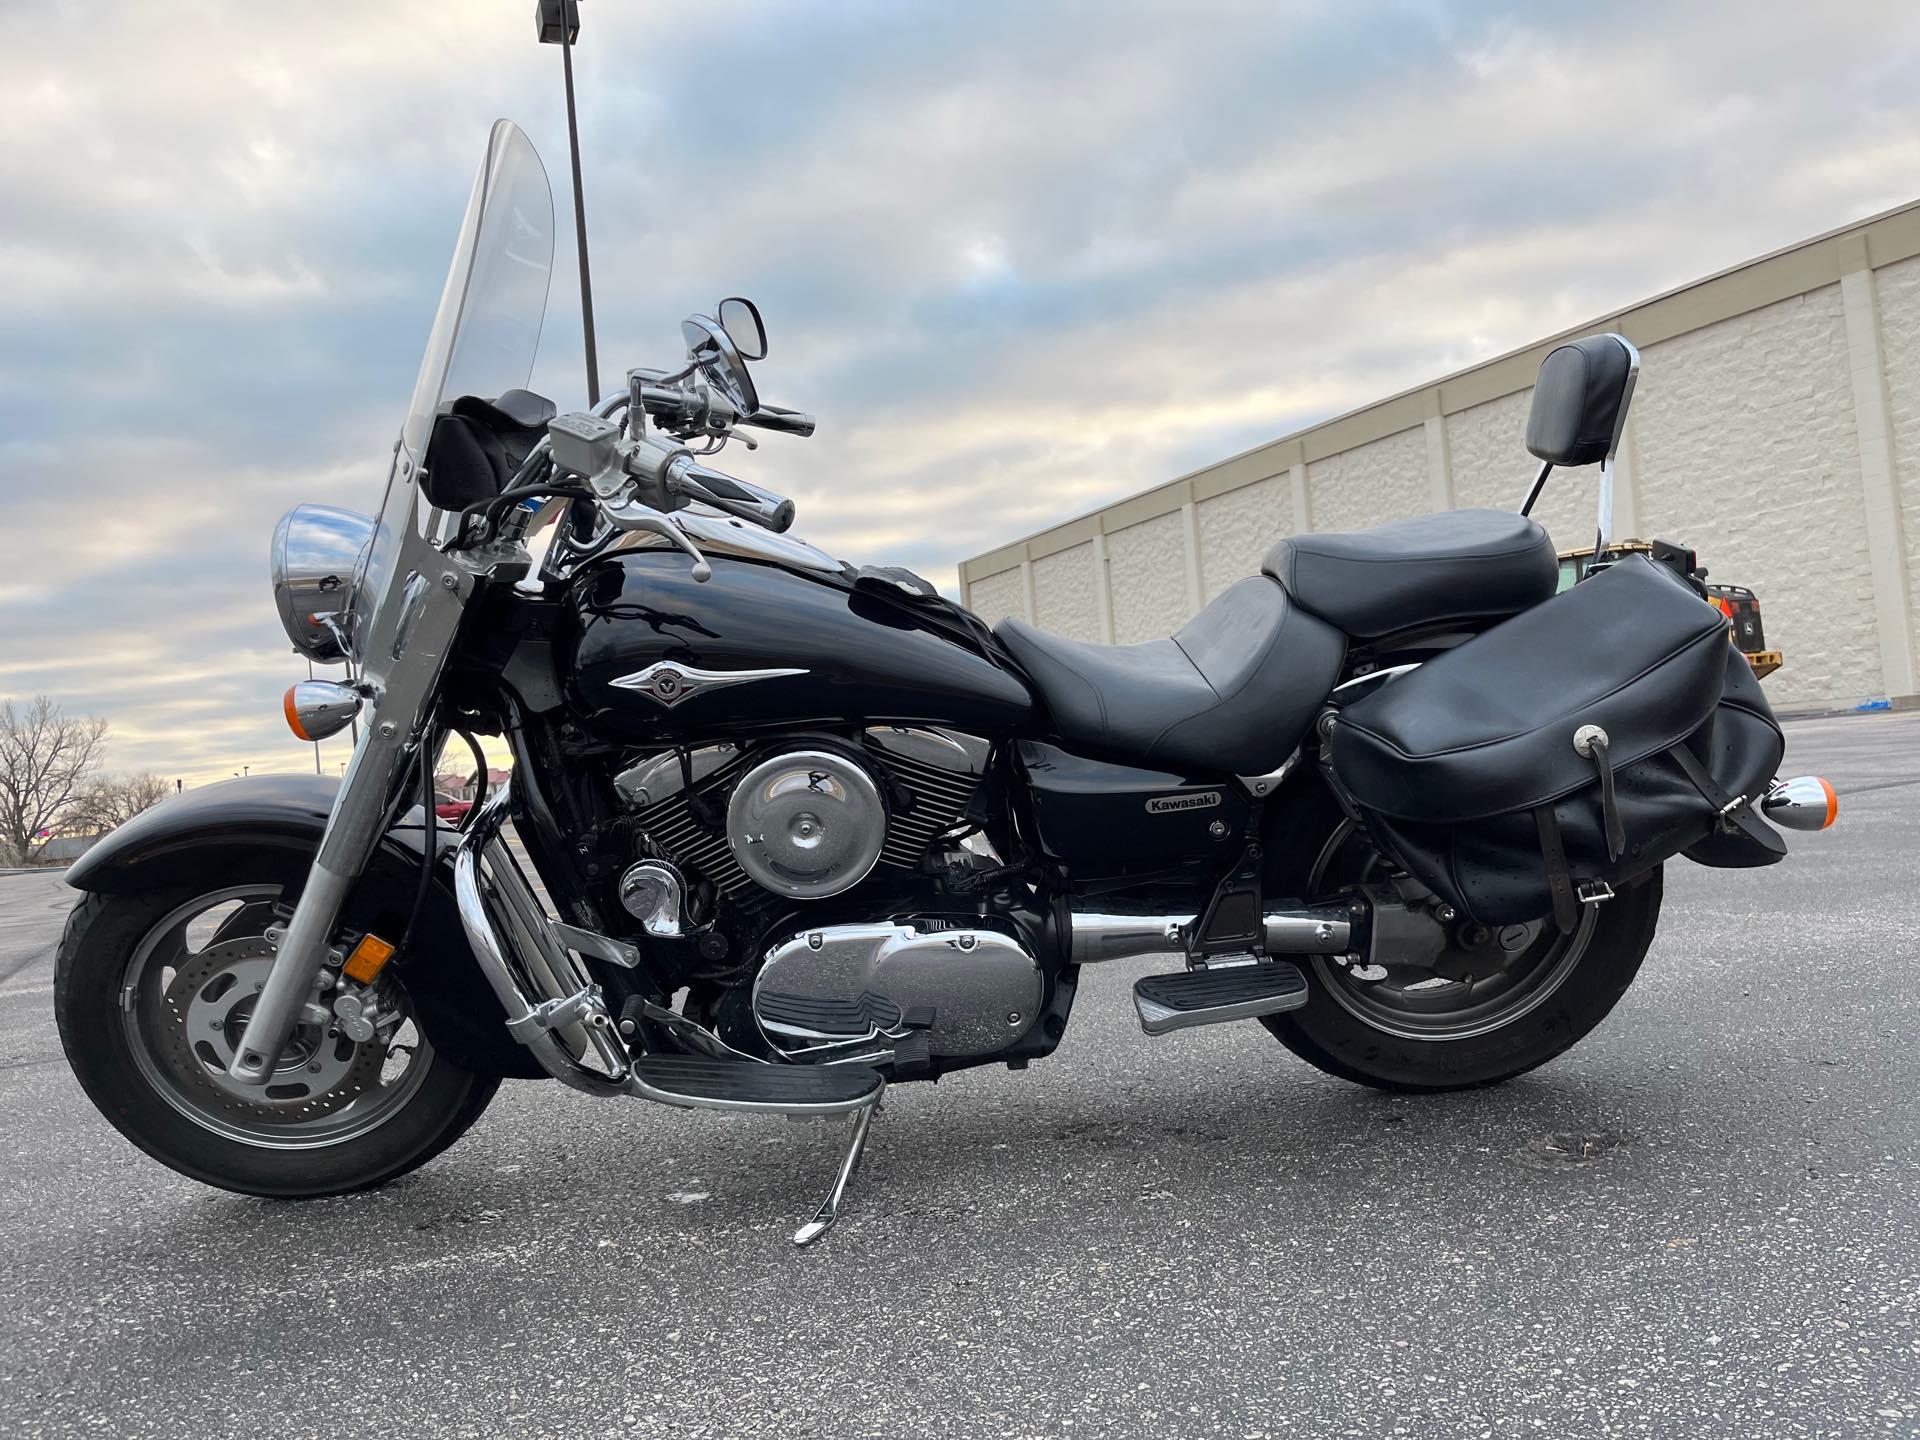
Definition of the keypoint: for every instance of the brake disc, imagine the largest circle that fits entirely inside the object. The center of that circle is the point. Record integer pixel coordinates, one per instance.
(205, 1012)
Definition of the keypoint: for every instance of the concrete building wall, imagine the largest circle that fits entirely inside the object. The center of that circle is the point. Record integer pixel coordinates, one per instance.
(1747, 439)
(1776, 428)
(1238, 528)
(1064, 593)
(1898, 287)
(1002, 594)
(1369, 483)
(1146, 569)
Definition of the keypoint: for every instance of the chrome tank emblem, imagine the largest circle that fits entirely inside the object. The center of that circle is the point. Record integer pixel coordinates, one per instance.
(970, 990)
(669, 682)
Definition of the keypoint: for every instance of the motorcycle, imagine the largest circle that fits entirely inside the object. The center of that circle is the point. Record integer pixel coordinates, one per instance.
(782, 831)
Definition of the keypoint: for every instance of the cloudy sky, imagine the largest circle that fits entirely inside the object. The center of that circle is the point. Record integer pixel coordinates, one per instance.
(1021, 258)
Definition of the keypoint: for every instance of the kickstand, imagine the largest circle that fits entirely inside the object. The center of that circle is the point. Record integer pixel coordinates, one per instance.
(829, 1210)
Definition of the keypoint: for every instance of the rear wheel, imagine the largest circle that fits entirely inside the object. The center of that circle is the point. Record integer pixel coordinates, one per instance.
(1498, 1002)
(152, 991)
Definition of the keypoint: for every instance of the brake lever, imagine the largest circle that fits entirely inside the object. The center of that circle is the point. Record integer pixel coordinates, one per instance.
(630, 515)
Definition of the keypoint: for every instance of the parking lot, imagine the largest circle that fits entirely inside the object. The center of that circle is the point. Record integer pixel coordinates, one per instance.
(1703, 1221)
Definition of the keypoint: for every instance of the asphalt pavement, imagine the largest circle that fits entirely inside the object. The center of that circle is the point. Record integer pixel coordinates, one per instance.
(1703, 1221)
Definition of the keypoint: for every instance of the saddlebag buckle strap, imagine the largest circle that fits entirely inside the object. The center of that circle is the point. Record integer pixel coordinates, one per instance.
(1731, 812)
(1553, 850)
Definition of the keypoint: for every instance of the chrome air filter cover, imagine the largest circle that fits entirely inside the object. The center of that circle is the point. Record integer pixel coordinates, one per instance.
(807, 824)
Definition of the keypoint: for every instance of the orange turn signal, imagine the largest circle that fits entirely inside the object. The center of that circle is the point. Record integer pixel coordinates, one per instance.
(293, 714)
(1806, 802)
(368, 959)
(316, 709)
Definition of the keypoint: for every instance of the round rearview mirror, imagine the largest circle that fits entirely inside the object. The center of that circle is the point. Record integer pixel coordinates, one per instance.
(740, 318)
(712, 348)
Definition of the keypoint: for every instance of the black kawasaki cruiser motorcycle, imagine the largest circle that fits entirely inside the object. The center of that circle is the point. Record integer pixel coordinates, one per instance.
(785, 831)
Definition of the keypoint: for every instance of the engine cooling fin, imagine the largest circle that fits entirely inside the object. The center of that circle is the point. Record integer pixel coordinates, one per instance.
(936, 799)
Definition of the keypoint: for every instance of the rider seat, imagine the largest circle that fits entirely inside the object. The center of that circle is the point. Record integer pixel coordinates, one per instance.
(1231, 692)
(1432, 569)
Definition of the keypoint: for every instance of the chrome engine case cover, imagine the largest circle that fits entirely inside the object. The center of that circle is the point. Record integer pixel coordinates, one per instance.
(840, 982)
(807, 824)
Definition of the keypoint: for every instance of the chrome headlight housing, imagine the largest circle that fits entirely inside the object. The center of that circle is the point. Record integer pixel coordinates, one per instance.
(316, 564)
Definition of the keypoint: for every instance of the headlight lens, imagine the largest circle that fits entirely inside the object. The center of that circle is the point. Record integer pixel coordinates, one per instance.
(315, 562)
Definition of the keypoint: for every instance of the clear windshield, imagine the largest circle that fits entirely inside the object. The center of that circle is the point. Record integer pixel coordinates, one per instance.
(488, 325)
(482, 343)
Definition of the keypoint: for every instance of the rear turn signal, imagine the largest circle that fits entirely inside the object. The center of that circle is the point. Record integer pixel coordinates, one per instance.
(319, 708)
(1805, 802)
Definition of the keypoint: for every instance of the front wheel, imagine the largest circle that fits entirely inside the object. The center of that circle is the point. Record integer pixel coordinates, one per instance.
(1512, 1000)
(151, 992)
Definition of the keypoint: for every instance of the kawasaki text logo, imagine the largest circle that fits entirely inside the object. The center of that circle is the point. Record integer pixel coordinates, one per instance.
(1167, 804)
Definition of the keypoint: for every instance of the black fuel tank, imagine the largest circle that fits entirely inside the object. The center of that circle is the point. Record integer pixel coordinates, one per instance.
(651, 656)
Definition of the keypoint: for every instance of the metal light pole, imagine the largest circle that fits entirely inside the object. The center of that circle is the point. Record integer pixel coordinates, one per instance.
(559, 24)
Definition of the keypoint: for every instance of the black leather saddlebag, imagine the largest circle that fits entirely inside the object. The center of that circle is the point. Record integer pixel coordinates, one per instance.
(1567, 751)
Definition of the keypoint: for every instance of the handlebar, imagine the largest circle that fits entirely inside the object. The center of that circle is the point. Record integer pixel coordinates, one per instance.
(674, 402)
(693, 481)
(787, 422)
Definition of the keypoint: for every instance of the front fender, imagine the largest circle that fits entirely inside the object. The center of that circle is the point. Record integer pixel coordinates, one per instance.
(209, 831)
(170, 842)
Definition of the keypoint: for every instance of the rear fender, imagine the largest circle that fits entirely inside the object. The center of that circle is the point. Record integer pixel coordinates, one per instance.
(208, 832)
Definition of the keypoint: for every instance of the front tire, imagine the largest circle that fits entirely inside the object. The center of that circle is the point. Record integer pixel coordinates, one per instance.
(144, 989)
(1412, 1034)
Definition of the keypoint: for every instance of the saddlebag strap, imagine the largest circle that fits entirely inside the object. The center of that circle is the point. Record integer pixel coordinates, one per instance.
(1566, 905)
(1590, 743)
(1735, 811)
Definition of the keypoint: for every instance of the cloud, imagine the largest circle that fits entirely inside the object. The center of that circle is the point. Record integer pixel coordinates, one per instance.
(1022, 259)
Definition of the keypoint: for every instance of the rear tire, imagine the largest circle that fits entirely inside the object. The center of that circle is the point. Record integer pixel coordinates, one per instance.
(182, 1119)
(1339, 1031)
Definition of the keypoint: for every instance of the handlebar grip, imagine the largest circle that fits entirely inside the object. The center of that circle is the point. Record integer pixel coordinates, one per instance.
(787, 422)
(735, 497)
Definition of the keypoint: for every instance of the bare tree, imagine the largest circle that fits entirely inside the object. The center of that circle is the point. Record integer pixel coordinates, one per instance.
(47, 758)
(112, 800)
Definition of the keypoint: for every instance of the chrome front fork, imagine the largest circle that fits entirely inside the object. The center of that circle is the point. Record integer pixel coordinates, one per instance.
(414, 650)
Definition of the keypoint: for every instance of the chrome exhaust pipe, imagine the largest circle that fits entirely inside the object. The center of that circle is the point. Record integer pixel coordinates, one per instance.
(555, 1026)
(1118, 937)
(1310, 930)
(1305, 930)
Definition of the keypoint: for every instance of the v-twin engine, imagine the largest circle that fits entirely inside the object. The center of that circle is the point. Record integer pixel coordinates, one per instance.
(959, 988)
(810, 818)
